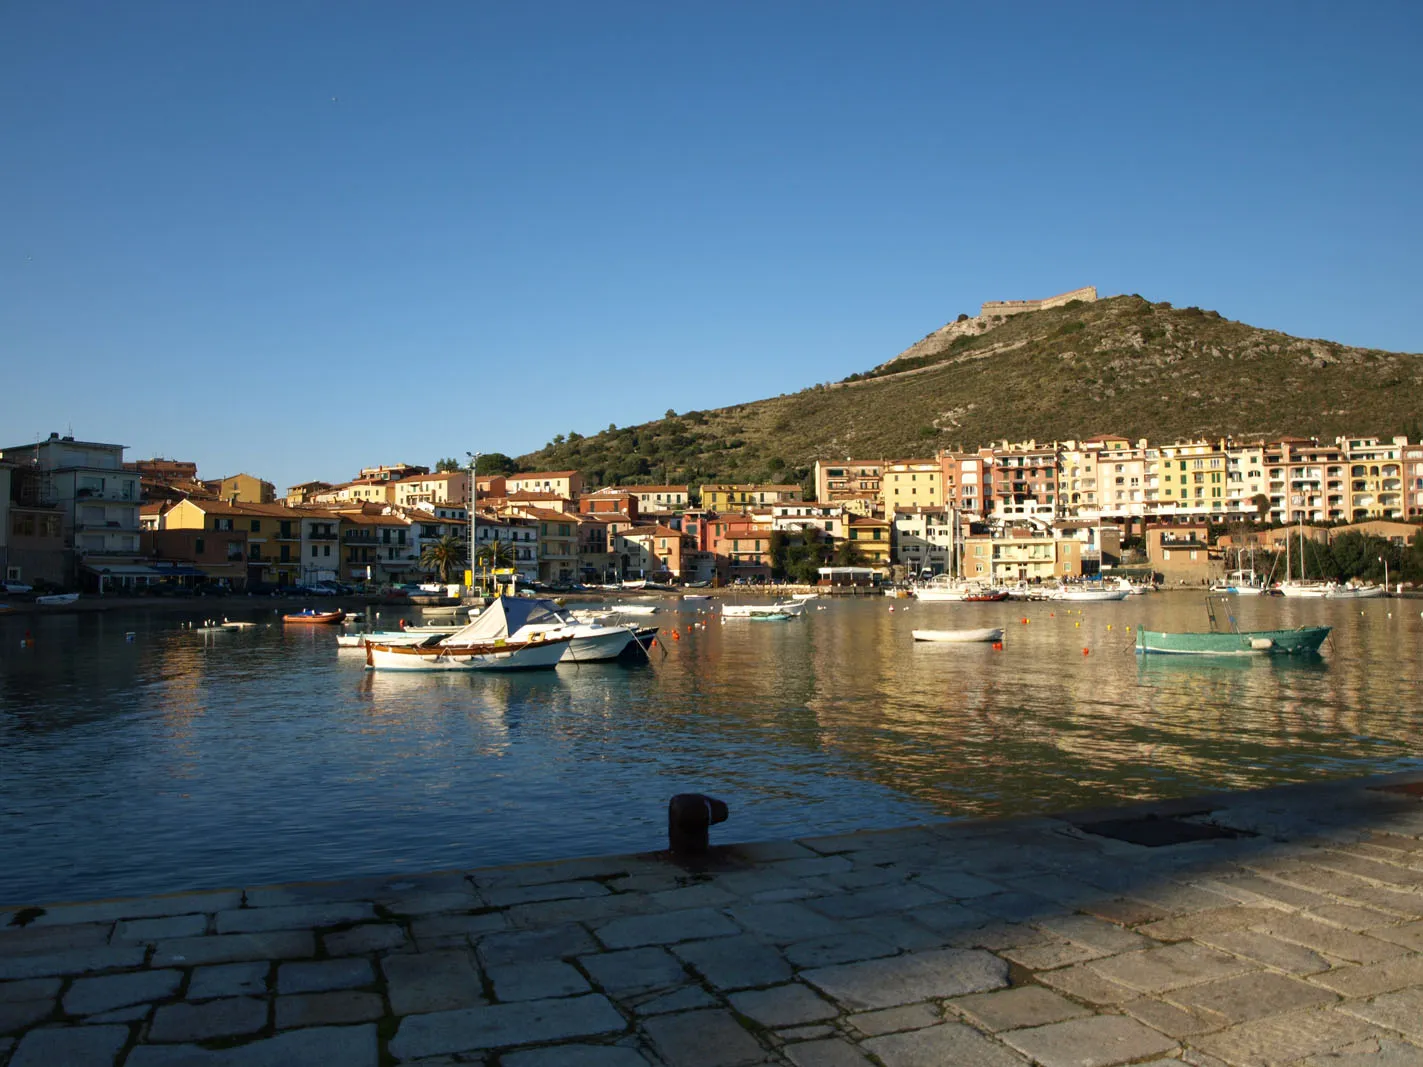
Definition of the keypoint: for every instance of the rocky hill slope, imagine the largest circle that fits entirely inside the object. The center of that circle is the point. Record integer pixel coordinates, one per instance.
(1121, 365)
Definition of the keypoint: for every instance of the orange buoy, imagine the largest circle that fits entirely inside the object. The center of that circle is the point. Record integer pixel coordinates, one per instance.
(676, 636)
(1084, 651)
(1023, 621)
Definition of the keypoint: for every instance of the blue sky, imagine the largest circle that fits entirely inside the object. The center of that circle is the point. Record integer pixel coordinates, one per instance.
(300, 238)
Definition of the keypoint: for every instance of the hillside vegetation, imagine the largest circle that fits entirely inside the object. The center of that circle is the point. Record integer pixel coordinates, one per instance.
(1121, 365)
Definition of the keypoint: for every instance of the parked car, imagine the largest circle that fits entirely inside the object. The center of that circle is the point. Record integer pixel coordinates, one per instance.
(18, 587)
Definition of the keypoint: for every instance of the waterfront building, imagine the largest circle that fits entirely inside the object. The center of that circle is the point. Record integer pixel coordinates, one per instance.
(967, 481)
(84, 488)
(911, 483)
(742, 547)
(1024, 482)
(858, 478)
(660, 498)
(519, 534)
(320, 546)
(390, 472)
(1189, 480)
(1022, 552)
(566, 484)
(1182, 554)
(306, 492)
(597, 563)
(651, 552)
(1245, 480)
(272, 543)
(377, 548)
(1306, 481)
(360, 491)
(1397, 533)
(558, 542)
(196, 555)
(610, 500)
(447, 487)
(1375, 477)
(870, 535)
(1413, 480)
(797, 517)
(721, 498)
(242, 489)
(922, 540)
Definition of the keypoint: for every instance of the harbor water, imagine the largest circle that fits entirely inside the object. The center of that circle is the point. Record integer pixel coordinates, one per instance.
(173, 759)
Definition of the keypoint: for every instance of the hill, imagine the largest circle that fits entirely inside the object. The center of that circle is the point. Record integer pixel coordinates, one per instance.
(1121, 365)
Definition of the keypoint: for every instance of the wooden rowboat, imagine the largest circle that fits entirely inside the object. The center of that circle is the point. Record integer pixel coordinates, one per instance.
(312, 617)
(987, 633)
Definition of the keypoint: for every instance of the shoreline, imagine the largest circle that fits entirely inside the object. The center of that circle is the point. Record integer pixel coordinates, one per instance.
(1238, 927)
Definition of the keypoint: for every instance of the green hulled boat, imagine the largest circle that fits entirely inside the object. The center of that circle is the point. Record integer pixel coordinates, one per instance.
(1301, 641)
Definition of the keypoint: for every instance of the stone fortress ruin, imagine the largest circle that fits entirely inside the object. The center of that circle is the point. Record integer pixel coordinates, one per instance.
(1001, 308)
(991, 313)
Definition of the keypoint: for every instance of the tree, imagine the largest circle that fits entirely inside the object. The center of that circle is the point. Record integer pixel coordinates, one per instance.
(443, 555)
(494, 554)
(848, 554)
(449, 463)
(963, 317)
(495, 463)
(1262, 507)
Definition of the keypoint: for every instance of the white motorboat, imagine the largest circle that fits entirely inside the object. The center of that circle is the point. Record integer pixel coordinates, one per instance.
(695, 596)
(1308, 589)
(54, 599)
(1356, 592)
(529, 618)
(793, 608)
(956, 637)
(805, 596)
(1079, 594)
(634, 609)
(538, 653)
(384, 637)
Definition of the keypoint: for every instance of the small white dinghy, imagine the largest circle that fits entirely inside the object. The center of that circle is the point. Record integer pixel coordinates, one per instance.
(960, 636)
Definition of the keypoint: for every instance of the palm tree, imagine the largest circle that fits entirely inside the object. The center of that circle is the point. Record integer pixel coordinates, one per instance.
(494, 554)
(444, 554)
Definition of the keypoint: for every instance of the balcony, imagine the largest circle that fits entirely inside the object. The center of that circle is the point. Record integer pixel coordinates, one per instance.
(321, 537)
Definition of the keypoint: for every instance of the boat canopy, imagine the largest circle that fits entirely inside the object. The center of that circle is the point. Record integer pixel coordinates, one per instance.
(505, 615)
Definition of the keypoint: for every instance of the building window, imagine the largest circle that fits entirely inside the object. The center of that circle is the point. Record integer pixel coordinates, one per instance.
(198, 546)
(256, 525)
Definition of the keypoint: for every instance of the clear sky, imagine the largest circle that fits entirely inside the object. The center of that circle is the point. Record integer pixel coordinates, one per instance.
(300, 238)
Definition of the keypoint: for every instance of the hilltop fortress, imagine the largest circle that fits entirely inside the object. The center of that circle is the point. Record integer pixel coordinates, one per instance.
(991, 314)
(1001, 308)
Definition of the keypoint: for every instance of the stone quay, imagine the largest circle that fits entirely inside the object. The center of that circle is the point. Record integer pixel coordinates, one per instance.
(1276, 927)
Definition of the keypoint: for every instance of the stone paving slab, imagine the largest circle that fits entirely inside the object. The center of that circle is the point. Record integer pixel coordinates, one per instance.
(993, 943)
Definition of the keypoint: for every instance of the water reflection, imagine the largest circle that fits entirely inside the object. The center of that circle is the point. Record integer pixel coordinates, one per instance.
(185, 759)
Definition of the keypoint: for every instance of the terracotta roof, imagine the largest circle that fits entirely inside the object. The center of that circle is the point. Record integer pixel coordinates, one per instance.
(548, 514)
(442, 476)
(222, 507)
(357, 518)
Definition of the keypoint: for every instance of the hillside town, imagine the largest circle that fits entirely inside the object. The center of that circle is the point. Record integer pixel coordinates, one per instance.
(76, 515)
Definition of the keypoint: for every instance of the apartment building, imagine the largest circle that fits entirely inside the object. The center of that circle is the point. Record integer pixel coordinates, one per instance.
(967, 481)
(1306, 481)
(567, 484)
(922, 540)
(447, 487)
(1025, 482)
(852, 478)
(721, 498)
(911, 483)
(1413, 481)
(1375, 478)
(85, 488)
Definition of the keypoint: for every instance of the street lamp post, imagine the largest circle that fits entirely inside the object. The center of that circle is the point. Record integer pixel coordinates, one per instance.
(473, 511)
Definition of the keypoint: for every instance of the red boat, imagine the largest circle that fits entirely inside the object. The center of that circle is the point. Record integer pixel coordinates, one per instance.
(312, 617)
(987, 598)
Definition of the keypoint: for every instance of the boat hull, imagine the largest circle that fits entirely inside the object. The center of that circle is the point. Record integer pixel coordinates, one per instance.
(1081, 596)
(1304, 641)
(510, 656)
(319, 618)
(954, 637)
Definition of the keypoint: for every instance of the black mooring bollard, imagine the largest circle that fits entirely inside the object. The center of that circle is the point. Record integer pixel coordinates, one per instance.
(689, 818)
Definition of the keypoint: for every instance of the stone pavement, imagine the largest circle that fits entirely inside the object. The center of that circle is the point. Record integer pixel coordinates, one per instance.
(1142, 935)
